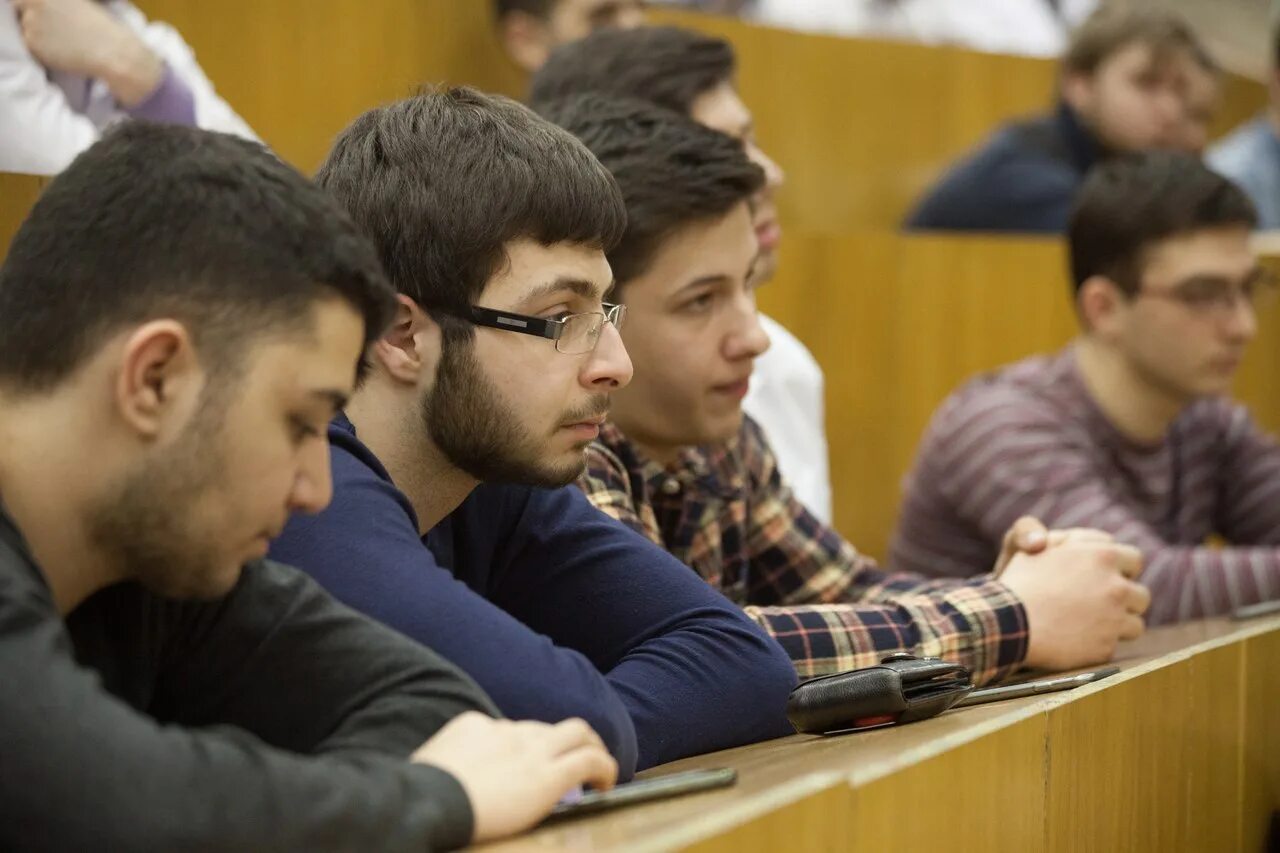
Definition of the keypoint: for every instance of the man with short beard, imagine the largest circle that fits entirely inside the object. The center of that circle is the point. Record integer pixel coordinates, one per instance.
(180, 315)
(452, 517)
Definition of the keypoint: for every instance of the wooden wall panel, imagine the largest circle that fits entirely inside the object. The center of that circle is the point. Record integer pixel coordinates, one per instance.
(17, 194)
(900, 321)
(1000, 807)
(1260, 759)
(300, 70)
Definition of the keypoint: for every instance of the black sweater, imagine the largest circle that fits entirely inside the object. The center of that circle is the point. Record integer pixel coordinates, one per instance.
(273, 718)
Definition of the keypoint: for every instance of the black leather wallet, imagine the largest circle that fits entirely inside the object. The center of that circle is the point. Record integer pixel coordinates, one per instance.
(902, 689)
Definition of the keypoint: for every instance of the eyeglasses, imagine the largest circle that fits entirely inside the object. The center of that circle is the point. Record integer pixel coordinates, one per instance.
(1217, 297)
(574, 334)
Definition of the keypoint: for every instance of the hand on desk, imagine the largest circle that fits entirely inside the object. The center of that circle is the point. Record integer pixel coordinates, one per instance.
(1079, 589)
(515, 773)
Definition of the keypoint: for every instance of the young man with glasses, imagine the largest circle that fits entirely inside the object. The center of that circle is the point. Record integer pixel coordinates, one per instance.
(680, 464)
(1128, 429)
(453, 519)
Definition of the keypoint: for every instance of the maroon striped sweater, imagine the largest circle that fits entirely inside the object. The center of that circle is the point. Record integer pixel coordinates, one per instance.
(1029, 440)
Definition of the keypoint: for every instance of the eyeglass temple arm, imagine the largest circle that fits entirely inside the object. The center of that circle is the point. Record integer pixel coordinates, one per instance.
(517, 322)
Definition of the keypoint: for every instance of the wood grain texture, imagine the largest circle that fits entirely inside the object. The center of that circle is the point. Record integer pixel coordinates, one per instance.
(1151, 759)
(1260, 759)
(17, 194)
(986, 795)
(299, 71)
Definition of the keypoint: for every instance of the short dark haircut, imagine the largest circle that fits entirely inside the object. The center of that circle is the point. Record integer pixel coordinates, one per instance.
(1133, 201)
(441, 182)
(160, 221)
(672, 170)
(537, 8)
(1114, 27)
(667, 66)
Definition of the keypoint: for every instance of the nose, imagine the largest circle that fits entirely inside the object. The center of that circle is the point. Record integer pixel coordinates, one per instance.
(313, 484)
(1243, 320)
(747, 339)
(608, 367)
(774, 177)
(1170, 109)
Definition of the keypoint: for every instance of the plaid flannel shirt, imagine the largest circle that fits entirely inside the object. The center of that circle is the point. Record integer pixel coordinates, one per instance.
(726, 512)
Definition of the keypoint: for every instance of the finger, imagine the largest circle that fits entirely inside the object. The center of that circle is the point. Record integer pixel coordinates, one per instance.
(1132, 628)
(1128, 560)
(588, 765)
(1078, 536)
(573, 734)
(1027, 534)
(1138, 599)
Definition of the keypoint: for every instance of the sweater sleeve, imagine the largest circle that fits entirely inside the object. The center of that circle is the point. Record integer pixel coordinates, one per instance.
(365, 549)
(1030, 465)
(695, 673)
(42, 133)
(83, 770)
(279, 635)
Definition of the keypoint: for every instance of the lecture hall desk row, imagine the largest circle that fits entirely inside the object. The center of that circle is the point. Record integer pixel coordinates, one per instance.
(898, 321)
(1178, 752)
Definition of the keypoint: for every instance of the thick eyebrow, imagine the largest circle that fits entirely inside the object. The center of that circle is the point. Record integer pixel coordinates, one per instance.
(1257, 272)
(335, 398)
(580, 286)
(702, 282)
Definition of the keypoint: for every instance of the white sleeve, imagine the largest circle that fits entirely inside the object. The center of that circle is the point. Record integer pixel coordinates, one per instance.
(212, 112)
(40, 133)
(786, 400)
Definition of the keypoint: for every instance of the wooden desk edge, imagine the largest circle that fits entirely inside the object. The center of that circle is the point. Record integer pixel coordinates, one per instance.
(1044, 704)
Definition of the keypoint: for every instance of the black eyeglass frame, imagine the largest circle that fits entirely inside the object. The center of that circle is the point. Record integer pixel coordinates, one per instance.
(542, 327)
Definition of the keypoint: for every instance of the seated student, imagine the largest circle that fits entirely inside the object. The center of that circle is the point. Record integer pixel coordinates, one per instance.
(453, 519)
(1250, 156)
(1201, 101)
(1128, 429)
(1122, 88)
(531, 29)
(70, 68)
(179, 316)
(692, 73)
(679, 463)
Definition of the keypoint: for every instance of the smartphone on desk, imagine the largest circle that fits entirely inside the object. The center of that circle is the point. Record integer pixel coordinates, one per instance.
(1034, 688)
(644, 790)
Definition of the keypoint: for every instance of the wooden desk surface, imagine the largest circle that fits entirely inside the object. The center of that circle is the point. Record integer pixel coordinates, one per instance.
(802, 791)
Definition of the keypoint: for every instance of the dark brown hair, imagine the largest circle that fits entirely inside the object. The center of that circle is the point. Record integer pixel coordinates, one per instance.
(1133, 201)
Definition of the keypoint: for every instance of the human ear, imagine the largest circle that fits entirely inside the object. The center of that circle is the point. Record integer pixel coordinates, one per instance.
(1100, 302)
(410, 344)
(160, 377)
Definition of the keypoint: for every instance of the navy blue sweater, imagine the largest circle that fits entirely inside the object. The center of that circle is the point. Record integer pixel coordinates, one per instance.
(554, 608)
(1025, 178)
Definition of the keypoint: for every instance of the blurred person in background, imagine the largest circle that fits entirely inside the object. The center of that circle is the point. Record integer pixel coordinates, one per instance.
(1129, 429)
(531, 29)
(1123, 87)
(71, 68)
(1251, 155)
(1202, 99)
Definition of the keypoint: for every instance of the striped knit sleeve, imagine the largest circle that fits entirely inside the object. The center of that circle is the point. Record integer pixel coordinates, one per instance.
(1010, 457)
